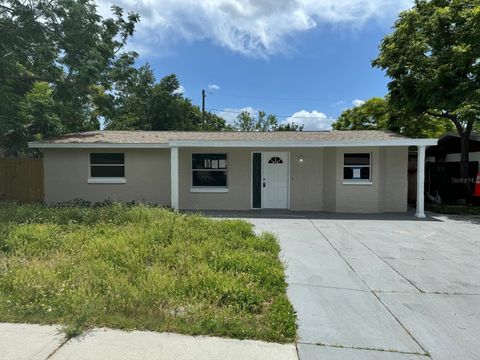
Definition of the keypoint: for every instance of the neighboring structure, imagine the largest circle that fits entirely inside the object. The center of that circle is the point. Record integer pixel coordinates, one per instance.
(443, 167)
(339, 171)
(448, 147)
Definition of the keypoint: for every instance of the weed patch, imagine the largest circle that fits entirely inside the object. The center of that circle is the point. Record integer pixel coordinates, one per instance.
(141, 267)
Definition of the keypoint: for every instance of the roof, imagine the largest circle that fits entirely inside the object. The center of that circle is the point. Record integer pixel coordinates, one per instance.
(225, 138)
(454, 135)
(450, 143)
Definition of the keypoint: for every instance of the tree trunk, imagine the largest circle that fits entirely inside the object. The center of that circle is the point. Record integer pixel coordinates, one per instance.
(464, 166)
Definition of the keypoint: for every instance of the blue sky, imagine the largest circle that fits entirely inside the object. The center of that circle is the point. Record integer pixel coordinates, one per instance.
(303, 60)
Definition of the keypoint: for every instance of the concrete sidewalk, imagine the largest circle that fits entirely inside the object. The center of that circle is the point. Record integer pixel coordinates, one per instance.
(37, 342)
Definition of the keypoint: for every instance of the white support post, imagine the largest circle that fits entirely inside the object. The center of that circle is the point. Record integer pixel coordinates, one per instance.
(420, 182)
(174, 177)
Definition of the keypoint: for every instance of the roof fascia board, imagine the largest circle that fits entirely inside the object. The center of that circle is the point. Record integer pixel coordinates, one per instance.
(98, 145)
(244, 143)
(305, 143)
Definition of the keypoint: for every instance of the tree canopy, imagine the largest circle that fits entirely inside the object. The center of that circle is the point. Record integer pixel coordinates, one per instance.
(433, 60)
(140, 103)
(55, 58)
(378, 114)
(246, 121)
(63, 68)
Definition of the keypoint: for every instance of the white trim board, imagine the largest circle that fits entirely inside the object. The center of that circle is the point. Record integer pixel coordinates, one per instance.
(240, 144)
(209, 190)
(305, 143)
(34, 144)
(98, 180)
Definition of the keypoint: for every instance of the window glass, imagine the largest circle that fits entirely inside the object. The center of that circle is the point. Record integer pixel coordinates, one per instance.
(107, 165)
(209, 170)
(107, 158)
(107, 171)
(357, 159)
(352, 173)
(275, 160)
(210, 178)
(356, 167)
(209, 161)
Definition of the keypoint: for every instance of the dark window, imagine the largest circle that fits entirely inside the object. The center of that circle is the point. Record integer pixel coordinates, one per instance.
(107, 158)
(210, 178)
(275, 160)
(356, 167)
(209, 170)
(257, 181)
(351, 173)
(108, 165)
(357, 159)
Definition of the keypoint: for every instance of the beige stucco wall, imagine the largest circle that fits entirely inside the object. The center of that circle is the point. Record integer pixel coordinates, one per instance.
(330, 179)
(316, 184)
(359, 198)
(238, 195)
(147, 173)
(306, 180)
(396, 179)
(387, 191)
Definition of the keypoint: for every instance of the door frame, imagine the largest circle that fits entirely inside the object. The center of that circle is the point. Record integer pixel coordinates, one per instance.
(262, 175)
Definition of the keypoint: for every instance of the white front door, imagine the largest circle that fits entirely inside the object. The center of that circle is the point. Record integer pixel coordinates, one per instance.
(275, 180)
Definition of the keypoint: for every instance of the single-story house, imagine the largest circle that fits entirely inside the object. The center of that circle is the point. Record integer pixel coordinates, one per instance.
(337, 171)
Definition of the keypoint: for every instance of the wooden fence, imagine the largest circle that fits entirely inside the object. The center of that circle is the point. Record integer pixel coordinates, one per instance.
(21, 179)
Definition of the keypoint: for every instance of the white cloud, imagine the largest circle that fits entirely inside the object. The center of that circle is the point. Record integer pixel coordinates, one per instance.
(358, 102)
(340, 103)
(251, 27)
(213, 87)
(312, 120)
(180, 90)
(230, 115)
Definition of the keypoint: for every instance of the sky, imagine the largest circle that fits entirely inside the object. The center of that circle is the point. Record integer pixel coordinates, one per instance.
(305, 61)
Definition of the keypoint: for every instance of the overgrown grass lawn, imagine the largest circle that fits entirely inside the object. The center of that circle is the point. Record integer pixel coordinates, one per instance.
(139, 267)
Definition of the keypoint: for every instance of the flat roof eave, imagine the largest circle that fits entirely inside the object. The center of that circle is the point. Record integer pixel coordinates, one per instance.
(304, 143)
(239, 144)
(40, 145)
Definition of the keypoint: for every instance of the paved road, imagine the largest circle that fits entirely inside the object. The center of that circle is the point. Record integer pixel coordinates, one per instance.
(382, 287)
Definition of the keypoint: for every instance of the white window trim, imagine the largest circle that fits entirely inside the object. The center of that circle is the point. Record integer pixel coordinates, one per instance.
(106, 180)
(368, 181)
(357, 182)
(208, 189)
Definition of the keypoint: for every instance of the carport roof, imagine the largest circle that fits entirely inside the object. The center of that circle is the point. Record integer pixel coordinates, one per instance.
(159, 139)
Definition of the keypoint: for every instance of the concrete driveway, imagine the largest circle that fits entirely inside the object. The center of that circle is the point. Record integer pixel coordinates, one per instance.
(382, 287)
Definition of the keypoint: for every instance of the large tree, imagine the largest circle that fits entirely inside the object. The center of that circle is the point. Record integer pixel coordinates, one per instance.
(64, 45)
(140, 103)
(433, 60)
(378, 114)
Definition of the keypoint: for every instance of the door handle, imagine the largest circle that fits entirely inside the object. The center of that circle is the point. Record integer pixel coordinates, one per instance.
(264, 184)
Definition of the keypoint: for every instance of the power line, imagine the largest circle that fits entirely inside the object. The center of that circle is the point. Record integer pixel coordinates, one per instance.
(278, 116)
(279, 98)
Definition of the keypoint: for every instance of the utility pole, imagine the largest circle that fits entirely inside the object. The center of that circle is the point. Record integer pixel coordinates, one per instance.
(203, 109)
